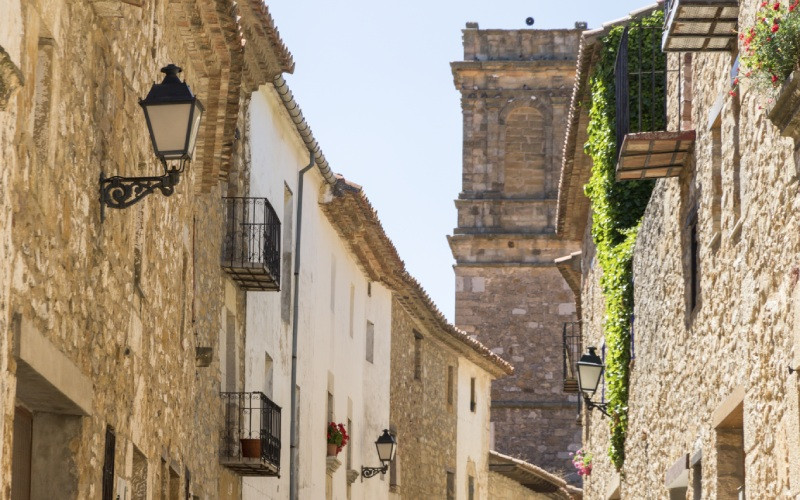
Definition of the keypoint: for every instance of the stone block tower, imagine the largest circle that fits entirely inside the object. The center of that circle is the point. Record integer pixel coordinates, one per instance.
(515, 92)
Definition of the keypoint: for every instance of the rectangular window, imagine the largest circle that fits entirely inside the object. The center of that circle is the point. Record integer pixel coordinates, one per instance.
(349, 461)
(417, 356)
(471, 488)
(287, 246)
(451, 485)
(450, 384)
(370, 341)
(352, 307)
(697, 481)
(139, 476)
(716, 176)
(174, 484)
(187, 480)
(694, 264)
(268, 375)
(21, 454)
(230, 351)
(472, 399)
(108, 464)
(330, 407)
(333, 282)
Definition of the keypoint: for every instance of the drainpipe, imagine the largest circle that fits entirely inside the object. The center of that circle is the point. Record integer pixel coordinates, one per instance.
(295, 313)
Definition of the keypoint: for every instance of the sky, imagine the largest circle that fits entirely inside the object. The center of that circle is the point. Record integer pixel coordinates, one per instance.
(373, 80)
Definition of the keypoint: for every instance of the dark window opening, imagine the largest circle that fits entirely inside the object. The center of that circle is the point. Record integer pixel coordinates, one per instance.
(108, 464)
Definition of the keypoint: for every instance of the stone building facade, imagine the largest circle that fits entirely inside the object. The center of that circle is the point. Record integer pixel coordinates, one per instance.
(515, 87)
(713, 410)
(107, 321)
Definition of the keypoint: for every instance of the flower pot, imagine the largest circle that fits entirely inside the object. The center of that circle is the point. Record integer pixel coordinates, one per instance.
(784, 110)
(251, 448)
(332, 450)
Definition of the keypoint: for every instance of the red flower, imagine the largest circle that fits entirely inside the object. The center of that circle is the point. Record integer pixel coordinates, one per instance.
(732, 92)
(774, 78)
(776, 6)
(775, 28)
(763, 4)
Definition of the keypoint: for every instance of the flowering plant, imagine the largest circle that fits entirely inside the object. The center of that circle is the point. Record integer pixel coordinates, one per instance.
(582, 460)
(337, 435)
(771, 45)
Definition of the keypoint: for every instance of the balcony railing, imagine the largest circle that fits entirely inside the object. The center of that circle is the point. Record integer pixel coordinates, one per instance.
(647, 150)
(572, 353)
(251, 438)
(251, 250)
(699, 25)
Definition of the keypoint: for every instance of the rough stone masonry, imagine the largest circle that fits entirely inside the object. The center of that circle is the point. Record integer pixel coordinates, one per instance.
(515, 87)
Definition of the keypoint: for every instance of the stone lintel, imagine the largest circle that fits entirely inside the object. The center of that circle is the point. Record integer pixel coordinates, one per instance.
(46, 379)
(728, 414)
(677, 476)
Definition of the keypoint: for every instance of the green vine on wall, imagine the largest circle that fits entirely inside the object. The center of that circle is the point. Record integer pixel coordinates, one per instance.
(617, 210)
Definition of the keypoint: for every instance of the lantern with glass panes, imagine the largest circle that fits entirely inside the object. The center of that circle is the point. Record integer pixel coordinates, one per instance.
(590, 371)
(387, 446)
(173, 117)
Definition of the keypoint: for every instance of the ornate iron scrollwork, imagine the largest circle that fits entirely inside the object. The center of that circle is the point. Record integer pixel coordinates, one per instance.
(121, 192)
(369, 472)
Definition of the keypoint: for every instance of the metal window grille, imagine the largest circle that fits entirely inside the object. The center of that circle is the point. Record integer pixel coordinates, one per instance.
(640, 79)
(108, 464)
(571, 335)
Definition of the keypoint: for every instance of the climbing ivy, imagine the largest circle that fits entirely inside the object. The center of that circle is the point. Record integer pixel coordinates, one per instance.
(617, 210)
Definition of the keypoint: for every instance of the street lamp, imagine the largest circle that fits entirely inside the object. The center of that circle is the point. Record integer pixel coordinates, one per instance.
(387, 446)
(590, 371)
(173, 117)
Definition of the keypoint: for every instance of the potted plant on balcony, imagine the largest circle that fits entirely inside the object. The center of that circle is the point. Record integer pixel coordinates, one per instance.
(337, 438)
(251, 447)
(770, 60)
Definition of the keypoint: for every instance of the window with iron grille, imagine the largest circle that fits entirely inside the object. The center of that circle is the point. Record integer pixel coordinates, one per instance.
(108, 464)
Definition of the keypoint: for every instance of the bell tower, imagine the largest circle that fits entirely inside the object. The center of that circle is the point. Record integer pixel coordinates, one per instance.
(515, 90)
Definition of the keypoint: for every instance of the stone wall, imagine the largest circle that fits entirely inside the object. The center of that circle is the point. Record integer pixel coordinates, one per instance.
(693, 367)
(425, 422)
(515, 87)
(503, 488)
(127, 300)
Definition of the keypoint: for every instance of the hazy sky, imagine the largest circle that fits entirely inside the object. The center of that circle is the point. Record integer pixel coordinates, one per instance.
(373, 79)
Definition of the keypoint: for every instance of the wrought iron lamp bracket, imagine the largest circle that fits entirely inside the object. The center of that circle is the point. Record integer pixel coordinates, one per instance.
(369, 472)
(603, 407)
(121, 192)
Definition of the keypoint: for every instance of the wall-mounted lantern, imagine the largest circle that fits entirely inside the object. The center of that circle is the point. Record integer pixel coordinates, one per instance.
(590, 371)
(387, 446)
(173, 117)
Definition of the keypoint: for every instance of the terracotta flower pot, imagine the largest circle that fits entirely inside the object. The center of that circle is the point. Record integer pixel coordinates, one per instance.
(251, 448)
(332, 450)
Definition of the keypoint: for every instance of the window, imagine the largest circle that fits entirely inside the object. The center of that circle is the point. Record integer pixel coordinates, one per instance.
(139, 476)
(21, 454)
(268, 375)
(187, 481)
(333, 282)
(697, 480)
(108, 464)
(330, 407)
(450, 384)
(352, 307)
(349, 460)
(472, 401)
(287, 266)
(230, 351)
(370, 341)
(716, 176)
(451, 485)
(417, 356)
(693, 275)
(471, 486)
(174, 484)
